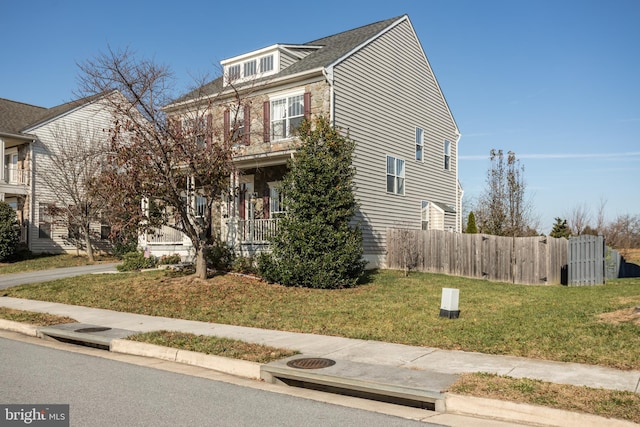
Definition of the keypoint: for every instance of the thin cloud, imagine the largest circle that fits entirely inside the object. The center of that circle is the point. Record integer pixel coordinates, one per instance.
(563, 156)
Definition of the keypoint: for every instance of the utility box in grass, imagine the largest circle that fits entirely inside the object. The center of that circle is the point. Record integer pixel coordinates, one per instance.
(449, 305)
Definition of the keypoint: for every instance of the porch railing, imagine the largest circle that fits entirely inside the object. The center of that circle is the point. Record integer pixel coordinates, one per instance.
(257, 230)
(13, 175)
(164, 236)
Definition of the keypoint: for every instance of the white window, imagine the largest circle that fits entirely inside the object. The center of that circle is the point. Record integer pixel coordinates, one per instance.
(250, 68)
(419, 144)
(201, 206)
(447, 155)
(234, 73)
(424, 215)
(286, 116)
(276, 205)
(238, 124)
(266, 64)
(44, 222)
(395, 175)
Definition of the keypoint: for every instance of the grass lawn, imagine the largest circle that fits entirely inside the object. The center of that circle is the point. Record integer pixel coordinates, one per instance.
(593, 325)
(46, 262)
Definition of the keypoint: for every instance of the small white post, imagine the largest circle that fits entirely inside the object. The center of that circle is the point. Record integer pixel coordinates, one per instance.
(449, 304)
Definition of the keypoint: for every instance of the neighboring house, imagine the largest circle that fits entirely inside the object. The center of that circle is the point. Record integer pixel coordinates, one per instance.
(375, 84)
(28, 137)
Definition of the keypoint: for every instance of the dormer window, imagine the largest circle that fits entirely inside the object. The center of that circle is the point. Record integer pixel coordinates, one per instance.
(266, 64)
(250, 68)
(234, 72)
(252, 65)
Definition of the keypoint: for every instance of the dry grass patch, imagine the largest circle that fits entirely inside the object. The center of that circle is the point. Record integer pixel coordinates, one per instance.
(545, 322)
(33, 318)
(606, 403)
(214, 345)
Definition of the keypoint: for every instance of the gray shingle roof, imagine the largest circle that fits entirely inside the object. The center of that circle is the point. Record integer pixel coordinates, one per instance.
(16, 117)
(333, 48)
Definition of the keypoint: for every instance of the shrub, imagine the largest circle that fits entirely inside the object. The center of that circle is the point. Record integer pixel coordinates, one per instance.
(122, 246)
(219, 256)
(243, 265)
(9, 231)
(316, 245)
(136, 261)
(170, 259)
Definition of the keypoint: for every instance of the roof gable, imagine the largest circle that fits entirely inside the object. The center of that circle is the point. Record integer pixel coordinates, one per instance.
(328, 50)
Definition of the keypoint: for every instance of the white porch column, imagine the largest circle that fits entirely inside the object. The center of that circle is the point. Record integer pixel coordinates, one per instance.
(1, 197)
(2, 171)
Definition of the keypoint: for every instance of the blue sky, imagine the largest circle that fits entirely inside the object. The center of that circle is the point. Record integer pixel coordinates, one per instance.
(556, 82)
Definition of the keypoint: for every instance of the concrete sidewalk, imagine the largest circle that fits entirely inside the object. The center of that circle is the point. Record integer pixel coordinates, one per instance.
(370, 352)
(393, 359)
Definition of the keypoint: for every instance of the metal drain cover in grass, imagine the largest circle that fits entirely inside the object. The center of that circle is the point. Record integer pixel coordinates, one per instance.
(92, 330)
(311, 363)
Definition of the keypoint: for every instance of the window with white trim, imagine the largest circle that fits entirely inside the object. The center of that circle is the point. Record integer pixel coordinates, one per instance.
(286, 116)
(276, 198)
(424, 215)
(44, 222)
(395, 175)
(250, 68)
(266, 63)
(447, 155)
(201, 206)
(419, 144)
(234, 73)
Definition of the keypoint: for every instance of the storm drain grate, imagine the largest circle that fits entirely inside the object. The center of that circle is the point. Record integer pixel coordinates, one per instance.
(311, 363)
(92, 330)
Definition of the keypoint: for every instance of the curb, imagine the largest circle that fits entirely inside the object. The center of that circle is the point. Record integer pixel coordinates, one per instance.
(526, 413)
(455, 404)
(237, 367)
(19, 327)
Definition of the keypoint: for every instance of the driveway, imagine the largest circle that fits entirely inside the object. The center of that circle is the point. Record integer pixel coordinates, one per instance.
(15, 279)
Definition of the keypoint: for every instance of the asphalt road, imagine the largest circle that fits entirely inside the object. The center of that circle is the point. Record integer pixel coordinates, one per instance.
(15, 279)
(103, 392)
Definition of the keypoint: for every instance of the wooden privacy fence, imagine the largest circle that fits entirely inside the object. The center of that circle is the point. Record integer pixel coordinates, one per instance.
(523, 260)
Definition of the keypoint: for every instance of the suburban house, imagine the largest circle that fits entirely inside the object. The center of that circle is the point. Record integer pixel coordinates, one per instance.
(374, 83)
(29, 137)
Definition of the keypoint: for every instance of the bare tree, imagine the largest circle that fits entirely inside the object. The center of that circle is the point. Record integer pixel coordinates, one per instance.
(579, 219)
(179, 166)
(600, 217)
(623, 233)
(503, 209)
(75, 158)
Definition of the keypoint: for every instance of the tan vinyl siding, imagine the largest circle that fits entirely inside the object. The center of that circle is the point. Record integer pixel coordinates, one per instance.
(383, 92)
(286, 60)
(89, 117)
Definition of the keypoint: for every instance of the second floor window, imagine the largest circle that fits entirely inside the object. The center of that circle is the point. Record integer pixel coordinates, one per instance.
(286, 115)
(447, 155)
(266, 64)
(419, 144)
(395, 175)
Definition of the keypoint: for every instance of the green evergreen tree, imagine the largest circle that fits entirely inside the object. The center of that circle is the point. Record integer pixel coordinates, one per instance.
(560, 229)
(9, 231)
(316, 245)
(471, 224)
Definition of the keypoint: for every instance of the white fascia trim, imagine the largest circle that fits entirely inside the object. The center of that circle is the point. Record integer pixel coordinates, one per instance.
(251, 54)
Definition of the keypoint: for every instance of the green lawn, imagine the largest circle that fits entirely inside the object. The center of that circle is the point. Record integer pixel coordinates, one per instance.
(546, 322)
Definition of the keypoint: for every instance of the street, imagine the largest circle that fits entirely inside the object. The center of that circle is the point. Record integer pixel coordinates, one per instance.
(103, 392)
(15, 279)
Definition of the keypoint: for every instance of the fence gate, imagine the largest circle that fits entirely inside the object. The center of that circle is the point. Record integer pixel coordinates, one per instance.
(586, 260)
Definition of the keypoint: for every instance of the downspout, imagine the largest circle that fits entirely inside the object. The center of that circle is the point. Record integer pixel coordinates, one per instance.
(328, 75)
